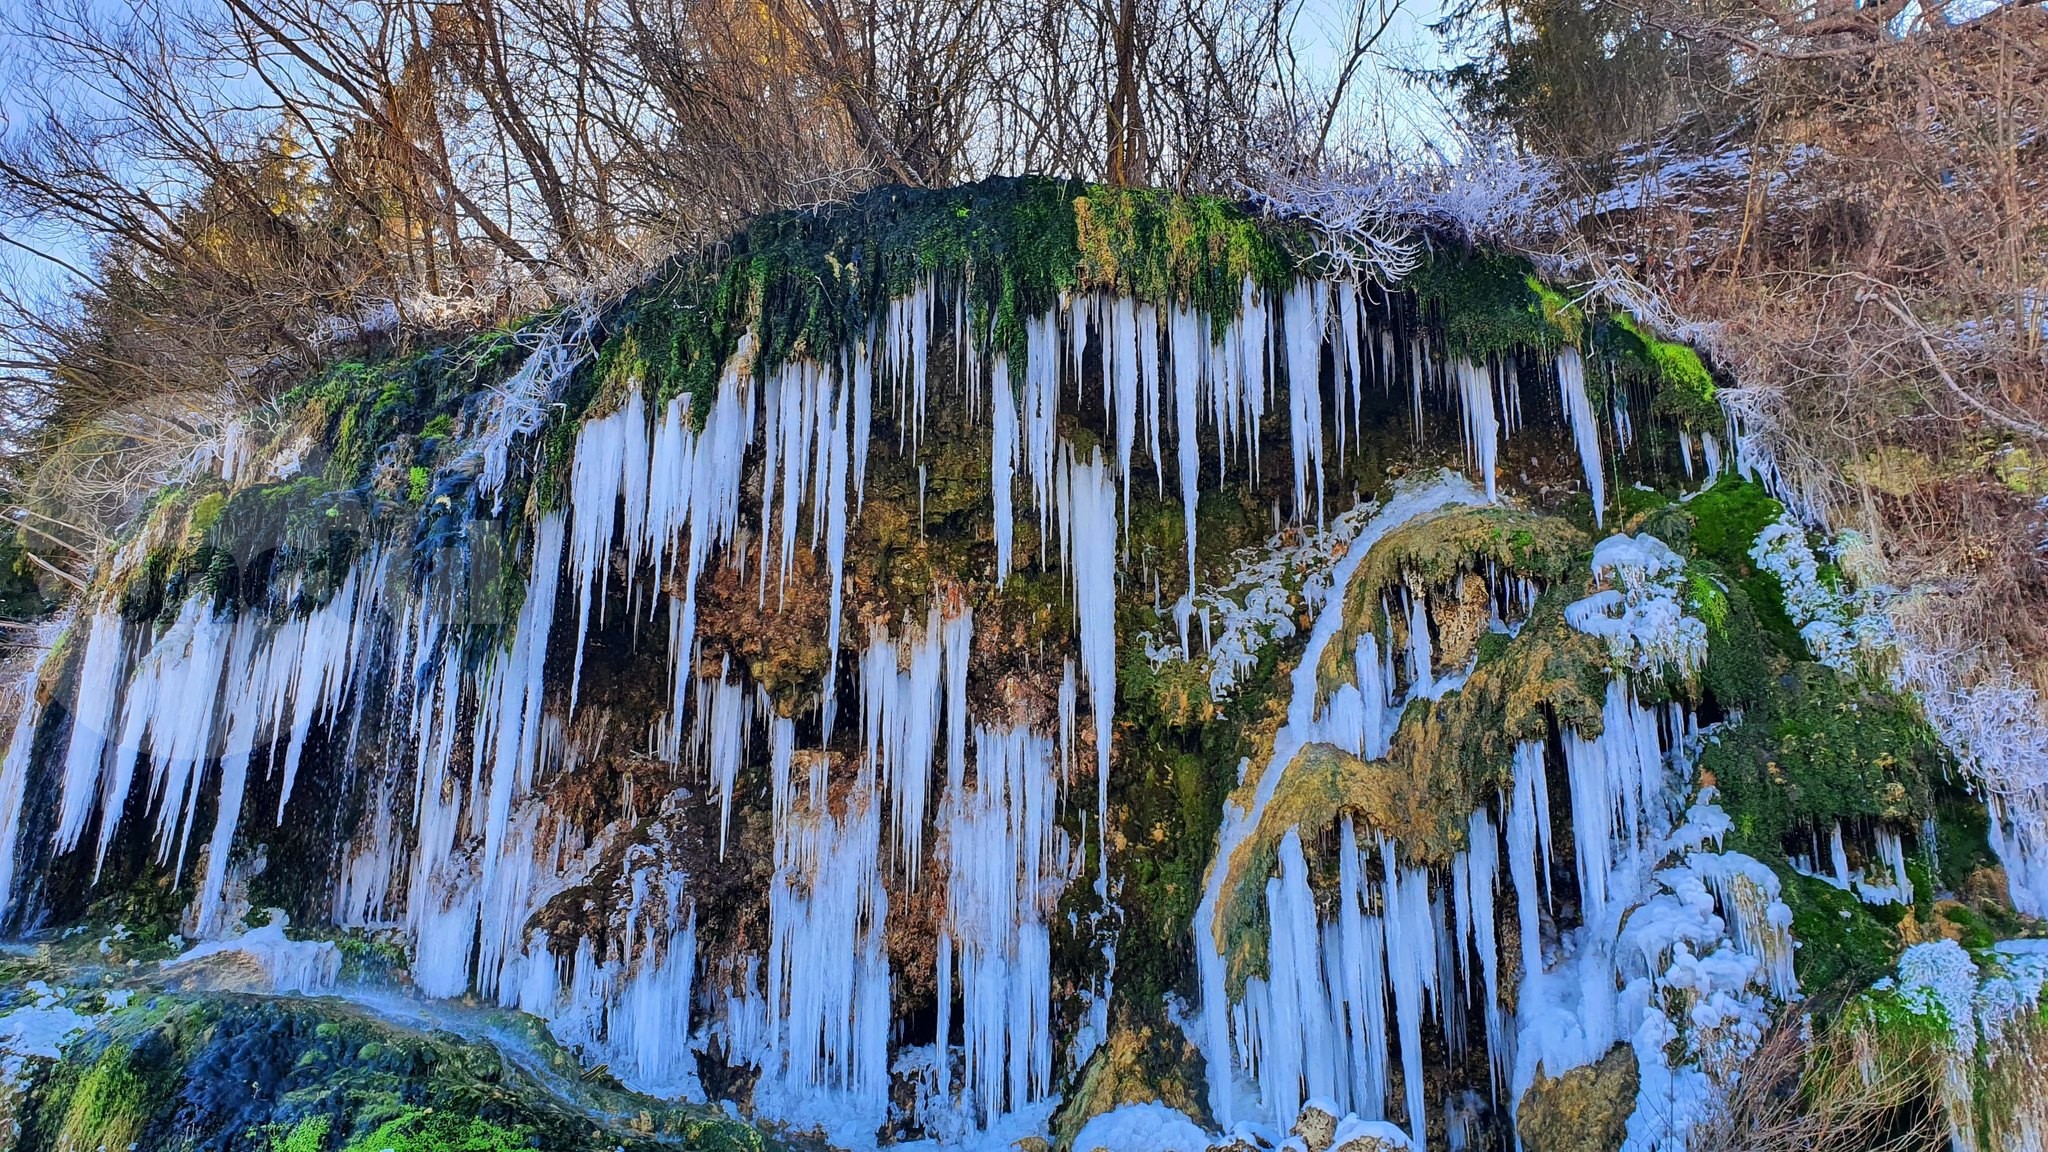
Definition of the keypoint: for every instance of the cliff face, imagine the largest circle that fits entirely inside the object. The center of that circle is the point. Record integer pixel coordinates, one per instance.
(964, 664)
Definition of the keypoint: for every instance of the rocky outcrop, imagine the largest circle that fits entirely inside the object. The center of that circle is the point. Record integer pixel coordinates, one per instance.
(1584, 1110)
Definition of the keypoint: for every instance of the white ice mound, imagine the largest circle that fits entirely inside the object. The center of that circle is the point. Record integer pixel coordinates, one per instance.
(261, 960)
(1141, 1128)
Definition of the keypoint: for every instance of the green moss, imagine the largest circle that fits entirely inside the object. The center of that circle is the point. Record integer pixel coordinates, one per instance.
(1902, 1028)
(1194, 250)
(1684, 387)
(1727, 517)
(809, 283)
(1975, 932)
(1707, 600)
(114, 1102)
(1631, 500)
(1725, 521)
(1448, 756)
(1962, 840)
(1548, 675)
(1842, 944)
(1489, 304)
(425, 1130)
(368, 957)
(1827, 748)
(21, 597)
(1567, 318)
(1739, 672)
(206, 512)
(308, 1135)
(180, 1073)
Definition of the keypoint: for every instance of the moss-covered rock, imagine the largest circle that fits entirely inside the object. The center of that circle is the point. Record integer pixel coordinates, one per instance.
(1825, 748)
(179, 1072)
(1448, 756)
(1434, 551)
(1137, 1064)
(1491, 304)
(1584, 1110)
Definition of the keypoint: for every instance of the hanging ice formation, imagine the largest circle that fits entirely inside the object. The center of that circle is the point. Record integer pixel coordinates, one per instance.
(755, 484)
(1578, 412)
(1349, 992)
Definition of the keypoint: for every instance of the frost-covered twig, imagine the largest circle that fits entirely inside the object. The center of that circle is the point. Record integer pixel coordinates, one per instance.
(1368, 214)
(520, 404)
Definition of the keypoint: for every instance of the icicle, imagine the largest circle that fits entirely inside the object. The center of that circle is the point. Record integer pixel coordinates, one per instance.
(1578, 412)
(828, 973)
(1758, 921)
(1004, 848)
(1302, 1051)
(900, 713)
(100, 673)
(648, 1028)
(1372, 692)
(173, 700)
(1411, 970)
(942, 1044)
(610, 451)
(1347, 336)
(863, 419)
(1186, 327)
(1421, 656)
(805, 390)
(1003, 462)
(1364, 980)
(1482, 430)
(710, 464)
(1225, 383)
(725, 726)
(1528, 833)
(1040, 416)
(1253, 327)
(508, 737)
(247, 670)
(1838, 856)
(1068, 699)
(1893, 854)
(1149, 382)
(1482, 867)
(1613, 780)
(957, 638)
(1302, 725)
(14, 779)
(329, 647)
(772, 409)
(1092, 526)
(1120, 376)
(835, 564)
(1304, 306)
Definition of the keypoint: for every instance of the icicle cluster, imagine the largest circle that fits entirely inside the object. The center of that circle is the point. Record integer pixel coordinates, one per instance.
(1351, 986)
(460, 729)
(1643, 616)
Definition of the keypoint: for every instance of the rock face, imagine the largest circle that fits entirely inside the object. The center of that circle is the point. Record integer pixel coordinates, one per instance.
(1136, 1065)
(1371, 1136)
(1001, 644)
(1317, 1125)
(1584, 1110)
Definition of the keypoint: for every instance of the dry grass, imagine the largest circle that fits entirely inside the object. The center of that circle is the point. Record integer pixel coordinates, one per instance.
(1868, 259)
(1799, 1094)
